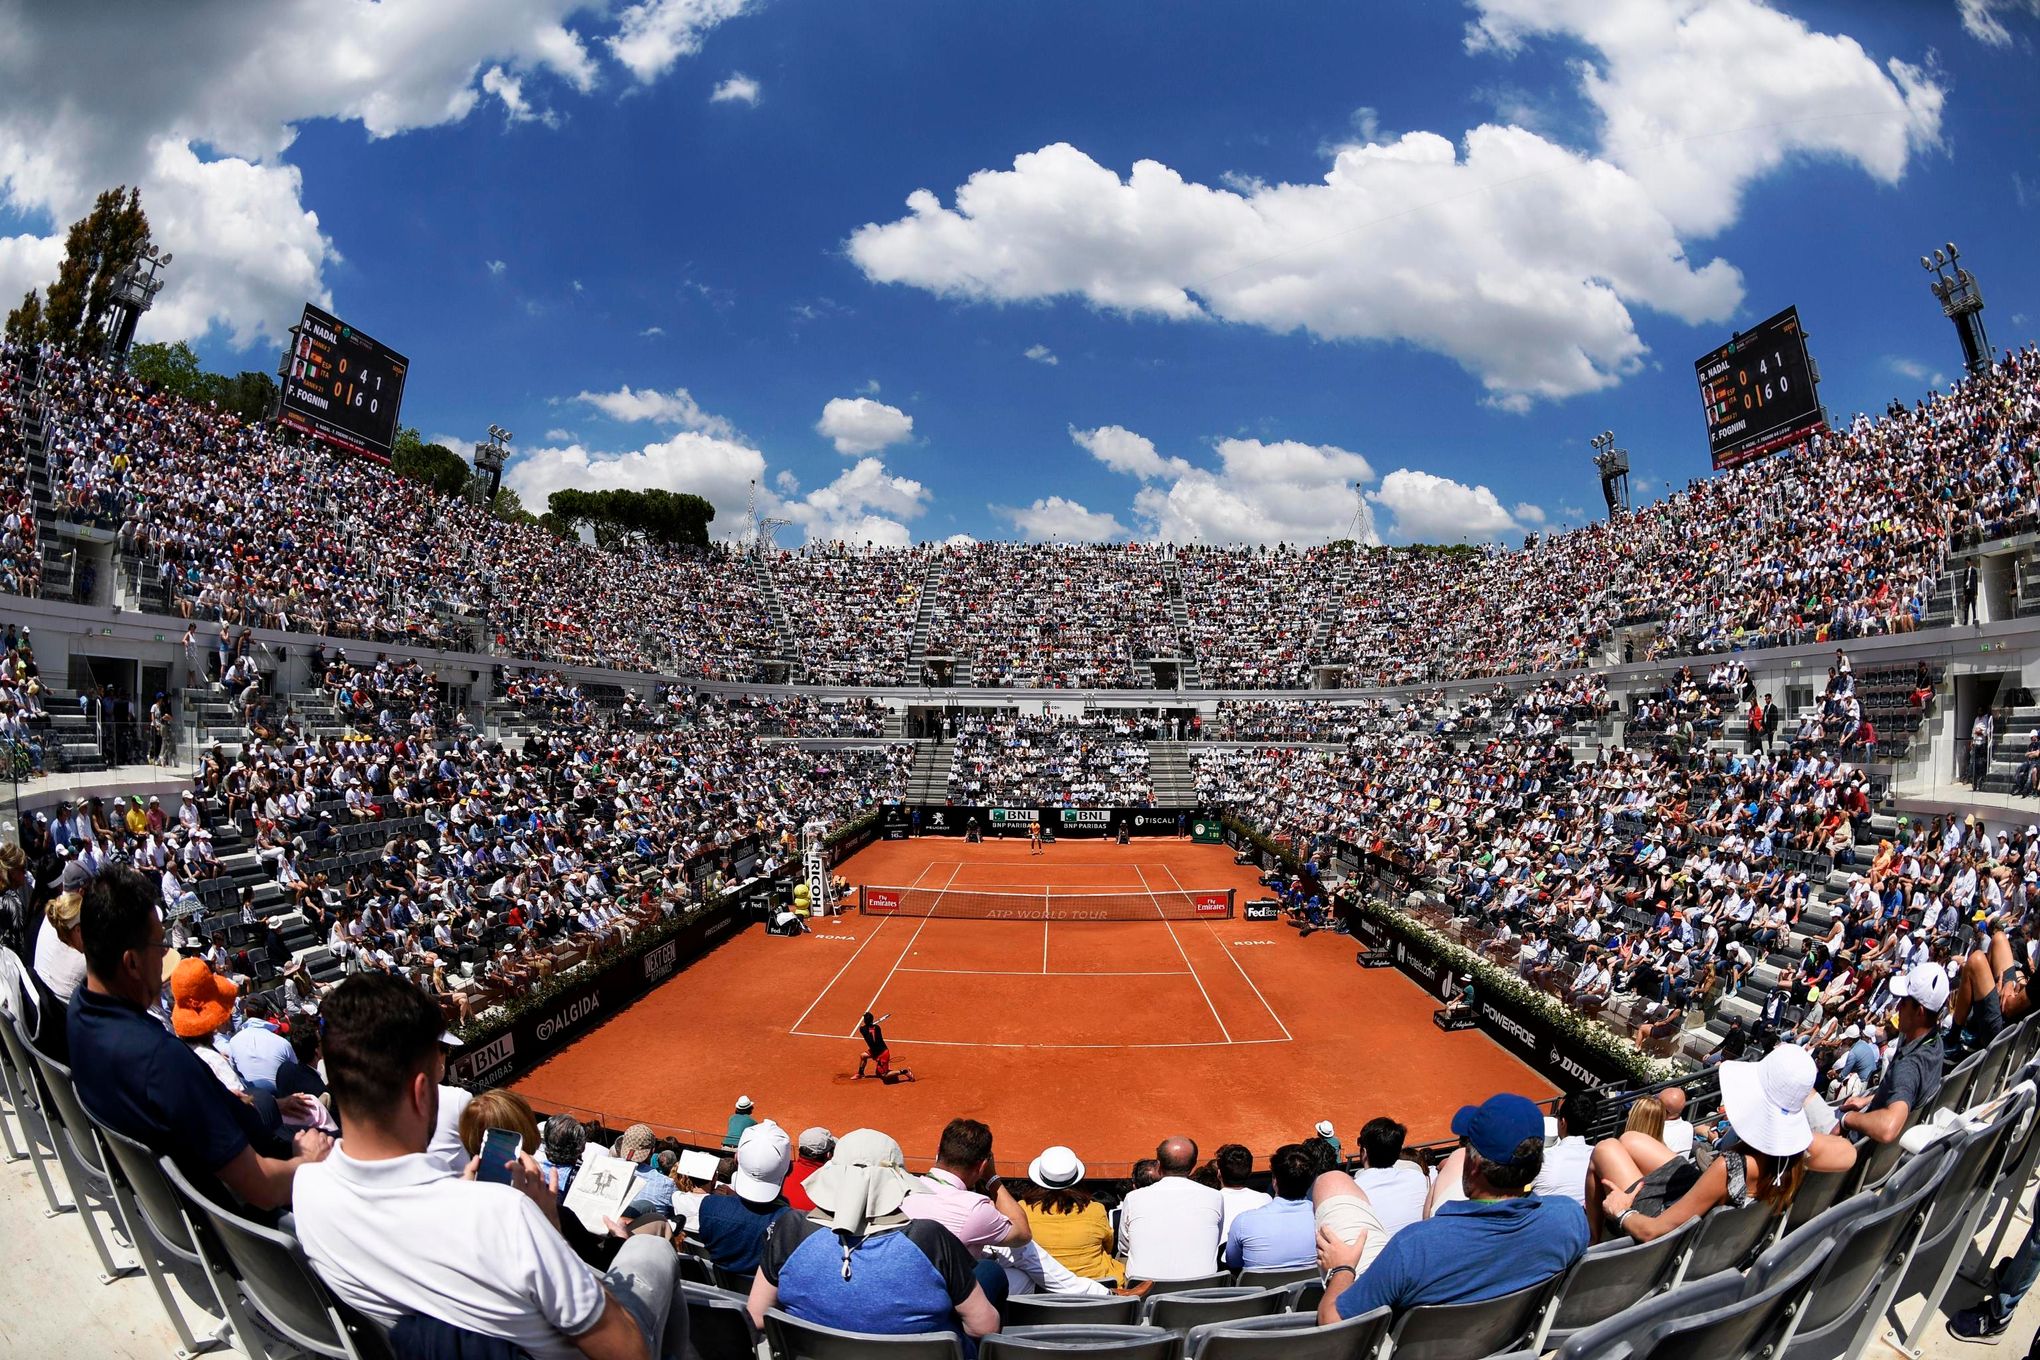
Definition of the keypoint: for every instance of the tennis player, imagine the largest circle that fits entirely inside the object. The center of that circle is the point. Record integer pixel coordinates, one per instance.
(875, 1051)
(1034, 838)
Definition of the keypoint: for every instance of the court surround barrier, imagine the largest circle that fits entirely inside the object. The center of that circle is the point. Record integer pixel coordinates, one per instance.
(1005, 821)
(1047, 904)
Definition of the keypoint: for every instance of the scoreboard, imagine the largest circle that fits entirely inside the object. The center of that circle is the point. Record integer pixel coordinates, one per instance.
(342, 386)
(1758, 391)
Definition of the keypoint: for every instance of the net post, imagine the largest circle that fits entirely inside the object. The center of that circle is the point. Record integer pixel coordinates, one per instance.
(1231, 902)
(860, 901)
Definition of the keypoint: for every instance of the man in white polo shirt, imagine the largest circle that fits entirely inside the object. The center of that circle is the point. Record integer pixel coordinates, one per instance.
(1169, 1230)
(395, 1234)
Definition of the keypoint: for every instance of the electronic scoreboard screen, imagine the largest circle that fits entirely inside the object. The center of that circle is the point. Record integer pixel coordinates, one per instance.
(343, 387)
(1758, 391)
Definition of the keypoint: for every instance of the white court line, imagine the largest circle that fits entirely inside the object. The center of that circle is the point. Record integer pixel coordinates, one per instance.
(872, 1004)
(1212, 926)
(1186, 962)
(1028, 972)
(830, 985)
(972, 1043)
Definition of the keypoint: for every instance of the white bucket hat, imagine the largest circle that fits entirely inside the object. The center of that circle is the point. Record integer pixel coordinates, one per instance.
(863, 1185)
(1057, 1168)
(1766, 1101)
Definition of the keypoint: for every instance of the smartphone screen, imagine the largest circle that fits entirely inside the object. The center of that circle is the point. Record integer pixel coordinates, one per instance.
(499, 1148)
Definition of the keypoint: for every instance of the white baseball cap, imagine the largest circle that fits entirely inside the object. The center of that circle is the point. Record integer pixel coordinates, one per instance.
(764, 1154)
(1926, 983)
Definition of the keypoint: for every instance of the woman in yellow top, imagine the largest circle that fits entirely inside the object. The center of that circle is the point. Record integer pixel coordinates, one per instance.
(1067, 1223)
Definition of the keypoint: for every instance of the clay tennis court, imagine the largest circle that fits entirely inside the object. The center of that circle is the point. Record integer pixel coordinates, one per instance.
(1104, 1035)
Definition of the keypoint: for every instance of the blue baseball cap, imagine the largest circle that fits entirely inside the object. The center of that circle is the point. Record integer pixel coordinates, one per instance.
(1497, 1126)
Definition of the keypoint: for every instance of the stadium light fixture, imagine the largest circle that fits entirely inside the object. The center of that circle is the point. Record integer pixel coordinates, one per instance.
(1613, 465)
(133, 293)
(1961, 302)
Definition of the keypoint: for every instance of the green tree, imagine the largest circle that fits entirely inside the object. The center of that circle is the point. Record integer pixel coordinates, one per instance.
(25, 323)
(99, 246)
(620, 518)
(509, 505)
(433, 465)
(171, 367)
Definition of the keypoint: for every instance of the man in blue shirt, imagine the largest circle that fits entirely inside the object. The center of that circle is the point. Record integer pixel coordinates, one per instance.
(1282, 1232)
(733, 1226)
(1501, 1238)
(138, 1079)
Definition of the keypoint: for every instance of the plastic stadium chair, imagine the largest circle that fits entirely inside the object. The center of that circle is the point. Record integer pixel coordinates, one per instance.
(1303, 1297)
(1038, 1310)
(24, 1094)
(151, 1206)
(14, 990)
(1706, 1327)
(719, 1325)
(1818, 1191)
(1866, 1238)
(1955, 1210)
(1120, 1343)
(80, 1155)
(1469, 1331)
(1727, 1239)
(1610, 1278)
(1290, 1336)
(1215, 1280)
(1192, 1307)
(2022, 1151)
(792, 1339)
(1273, 1275)
(273, 1275)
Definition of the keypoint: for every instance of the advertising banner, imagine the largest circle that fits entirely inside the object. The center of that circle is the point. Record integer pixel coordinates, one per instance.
(881, 900)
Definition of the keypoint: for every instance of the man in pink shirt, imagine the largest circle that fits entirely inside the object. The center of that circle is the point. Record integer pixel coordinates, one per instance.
(964, 1194)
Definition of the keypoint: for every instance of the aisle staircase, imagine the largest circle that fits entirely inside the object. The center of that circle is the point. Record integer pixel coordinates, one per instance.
(787, 649)
(1169, 769)
(1189, 670)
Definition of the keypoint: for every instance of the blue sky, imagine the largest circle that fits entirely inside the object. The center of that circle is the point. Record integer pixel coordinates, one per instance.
(546, 206)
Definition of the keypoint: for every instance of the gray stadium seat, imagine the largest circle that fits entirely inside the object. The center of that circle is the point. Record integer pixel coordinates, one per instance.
(1469, 1331)
(1036, 1310)
(1743, 1324)
(792, 1339)
(1273, 1275)
(1192, 1307)
(151, 1206)
(2022, 1151)
(79, 1153)
(1100, 1339)
(1610, 1278)
(1289, 1336)
(1818, 1191)
(1727, 1239)
(719, 1325)
(23, 1094)
(1215, 1280)
(271, 1271)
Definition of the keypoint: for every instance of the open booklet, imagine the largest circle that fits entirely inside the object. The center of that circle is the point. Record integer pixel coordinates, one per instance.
(601, 1188)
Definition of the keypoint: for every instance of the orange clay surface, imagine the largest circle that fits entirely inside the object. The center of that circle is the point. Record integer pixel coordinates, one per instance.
(1105, 1036)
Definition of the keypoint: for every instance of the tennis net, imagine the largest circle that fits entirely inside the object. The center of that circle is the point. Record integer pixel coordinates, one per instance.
(1047, 904)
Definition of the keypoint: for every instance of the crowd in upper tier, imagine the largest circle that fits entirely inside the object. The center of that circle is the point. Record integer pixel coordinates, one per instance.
(1094, 760)
(1842, 537)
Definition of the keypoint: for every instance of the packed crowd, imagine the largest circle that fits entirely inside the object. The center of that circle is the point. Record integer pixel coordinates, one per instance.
(1843, 537)
(20, 542)
(1051, 616)
(1095, 759)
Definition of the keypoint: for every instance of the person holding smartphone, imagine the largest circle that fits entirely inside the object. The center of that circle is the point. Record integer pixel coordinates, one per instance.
(398, 1235)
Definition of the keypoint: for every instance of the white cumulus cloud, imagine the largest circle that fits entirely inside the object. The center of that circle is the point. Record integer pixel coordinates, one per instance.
(677, 407)
(1284, 492)
(861, 425)
(737, 89)
(654, 34)
(1433, 509)
(1042, 354)
(1055, 519)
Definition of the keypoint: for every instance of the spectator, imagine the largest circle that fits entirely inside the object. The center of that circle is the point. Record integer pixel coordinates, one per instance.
(811, 1156)
(1678, 1134)
(395, 1234)
(1500, 1239)
(1066, 1222)
(499, 1109)
(1913, 1075)
(1643, 1188)
(137, 1079)
(1282, 1232)
(654, 1194)
(257, 1049)
(1170, 1230)
(566, 1140)
(1394, 1187)
(1235, 1171)
(858, 1263)
(59, 969)
(733, 1226)
(963, 1193)
(741, 1120)
(1566, 1154)
(1324, 1133)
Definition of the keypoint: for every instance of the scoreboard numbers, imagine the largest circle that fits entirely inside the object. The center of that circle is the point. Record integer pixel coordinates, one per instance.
(343, 387)
(1757, 391)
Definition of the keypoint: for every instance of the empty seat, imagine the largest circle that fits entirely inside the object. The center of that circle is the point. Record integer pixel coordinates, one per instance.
(1289, 1336)
(154, 1210)
(719, 1325)
(1274, 1275)
(1099, 1339)
(792, 1339)
(1818, 1191)
(1711, 1319)
(1214, 1280)
(1610, 1278)
(1191, 1307)
(1033, 1310)
(1469, 1331)
(81, 1156)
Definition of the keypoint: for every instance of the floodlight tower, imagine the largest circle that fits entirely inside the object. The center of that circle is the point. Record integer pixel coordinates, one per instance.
(1962, 303)
(133, 293)
(489, 460)
(1613, 465)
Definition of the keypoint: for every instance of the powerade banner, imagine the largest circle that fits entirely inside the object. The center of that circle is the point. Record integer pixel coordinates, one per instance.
(993, 822)
(1524, 1032)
